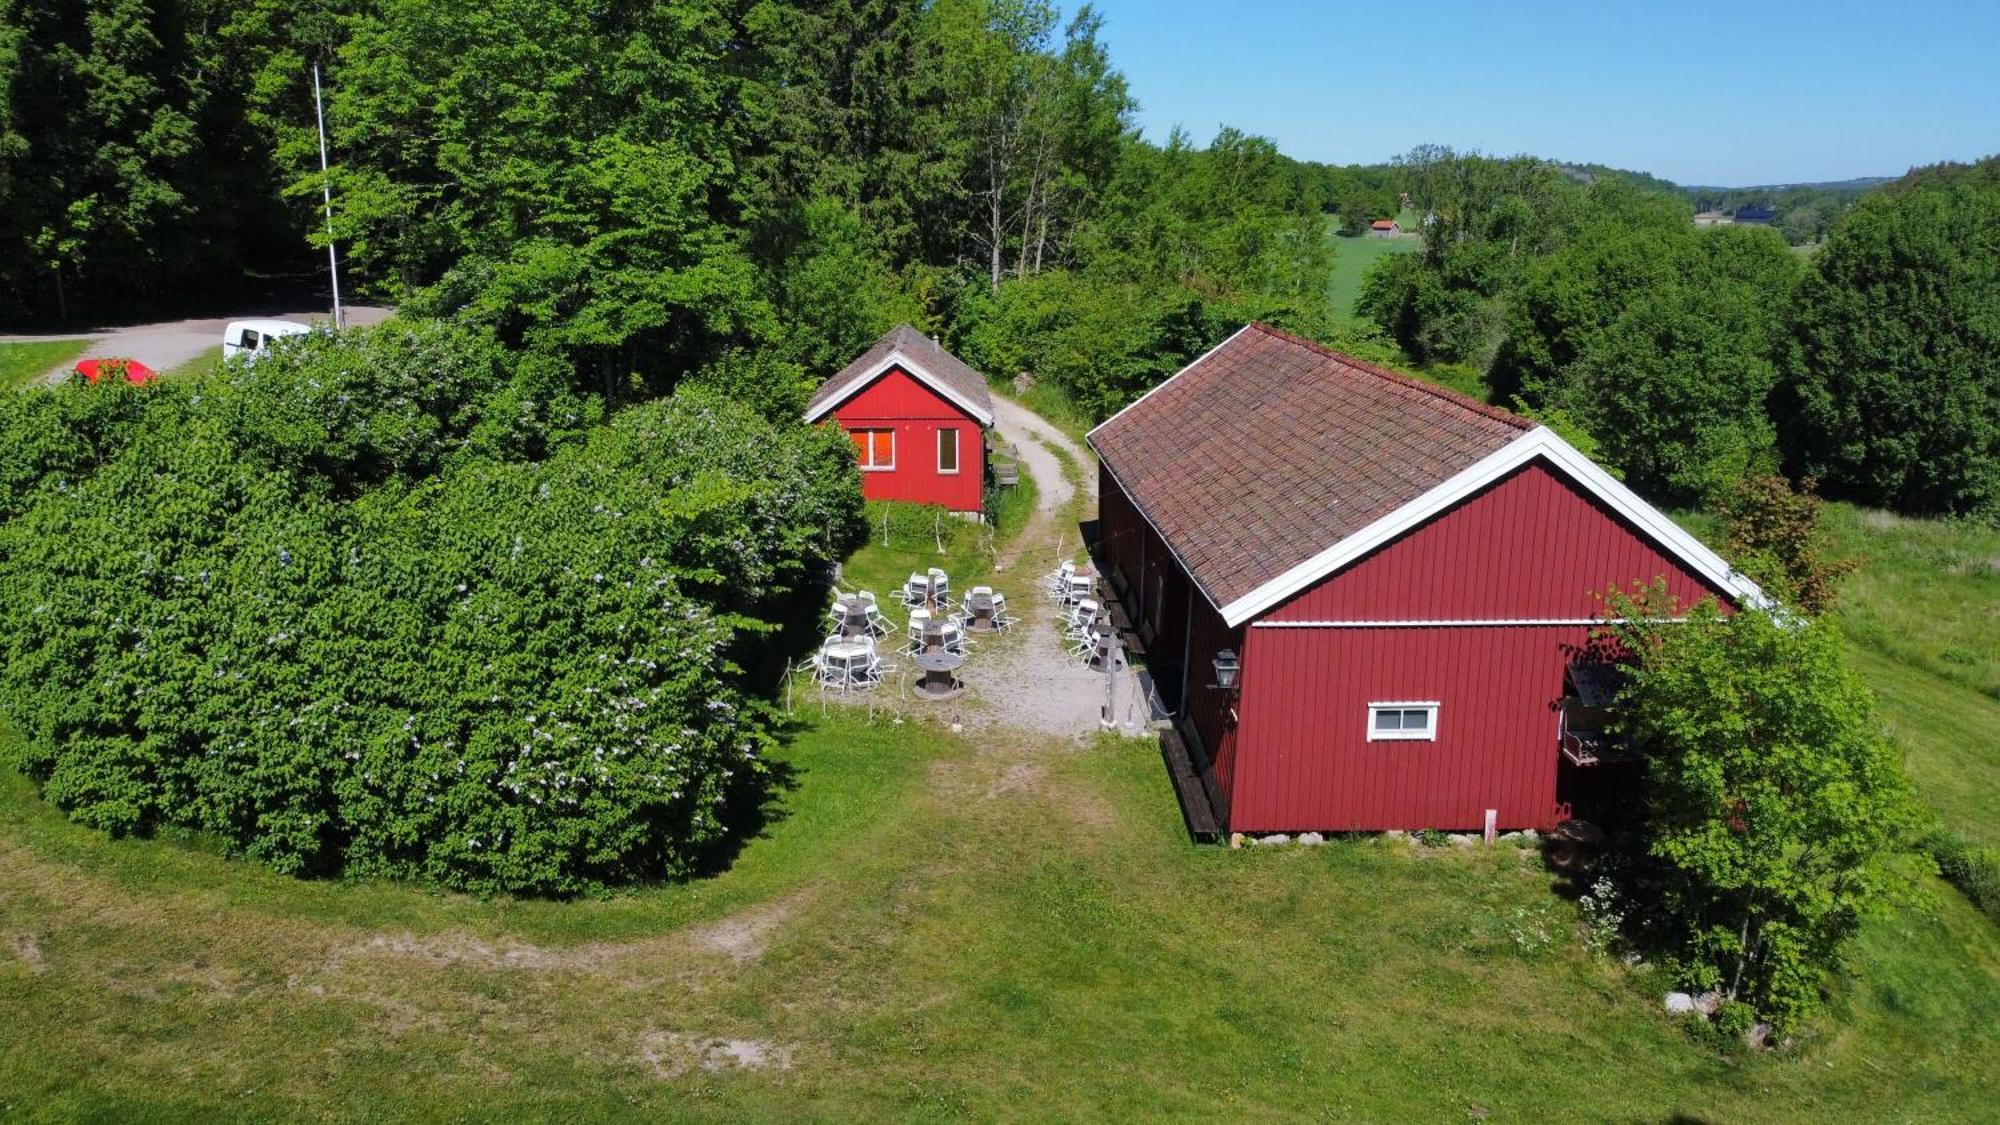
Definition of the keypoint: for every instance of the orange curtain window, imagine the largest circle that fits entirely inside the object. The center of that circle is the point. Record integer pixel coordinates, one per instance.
(876, 449)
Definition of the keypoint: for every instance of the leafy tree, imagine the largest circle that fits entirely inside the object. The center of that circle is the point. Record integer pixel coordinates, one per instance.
(126, 171)
(1772, 796)
(1892, 387)
(559, 173)
(1775, 530)
(836, 292)
(1659, 339)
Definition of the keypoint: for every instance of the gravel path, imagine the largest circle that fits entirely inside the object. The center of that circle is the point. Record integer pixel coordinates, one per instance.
(1026, 680)
(168, 344)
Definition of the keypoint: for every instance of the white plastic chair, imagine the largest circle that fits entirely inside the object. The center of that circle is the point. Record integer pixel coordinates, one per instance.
(1056, 582)
(1000, 618)
(1081, 586)
(878, 625)
(918, 619)
(1081, 617)
(954, 637)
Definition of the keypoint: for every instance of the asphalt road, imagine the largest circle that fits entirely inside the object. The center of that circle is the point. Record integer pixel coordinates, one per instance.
(169, 344)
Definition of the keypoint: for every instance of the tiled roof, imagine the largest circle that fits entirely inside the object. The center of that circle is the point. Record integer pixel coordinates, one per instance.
(1272, 448)
(922, 351)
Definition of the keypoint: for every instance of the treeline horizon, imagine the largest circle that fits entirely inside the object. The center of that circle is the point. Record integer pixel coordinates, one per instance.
(745, 193)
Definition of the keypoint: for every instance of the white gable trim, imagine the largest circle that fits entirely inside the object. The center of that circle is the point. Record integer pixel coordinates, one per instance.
(917, 371)
(1539, 442)
(1162, 385)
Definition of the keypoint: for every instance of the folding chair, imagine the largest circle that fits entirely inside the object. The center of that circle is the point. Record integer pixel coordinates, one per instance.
(1056, 582)
(878, 625)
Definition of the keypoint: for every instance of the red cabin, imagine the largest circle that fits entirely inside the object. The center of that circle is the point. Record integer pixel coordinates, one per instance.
(918, 417)
(1368, 599)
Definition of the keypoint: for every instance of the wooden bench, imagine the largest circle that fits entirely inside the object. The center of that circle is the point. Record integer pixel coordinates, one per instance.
(1202, 824)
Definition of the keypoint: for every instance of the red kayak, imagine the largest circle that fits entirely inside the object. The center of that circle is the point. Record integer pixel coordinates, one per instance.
(136, 373)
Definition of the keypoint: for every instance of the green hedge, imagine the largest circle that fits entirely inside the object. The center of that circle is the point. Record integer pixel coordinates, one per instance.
(385, 605)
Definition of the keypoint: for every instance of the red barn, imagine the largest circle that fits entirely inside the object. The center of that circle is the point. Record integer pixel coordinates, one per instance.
(1405, 578)
(918, 416)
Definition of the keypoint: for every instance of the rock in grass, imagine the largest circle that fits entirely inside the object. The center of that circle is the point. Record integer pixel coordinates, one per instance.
(1680, 1003)
(1311, 838)
(1279, 838)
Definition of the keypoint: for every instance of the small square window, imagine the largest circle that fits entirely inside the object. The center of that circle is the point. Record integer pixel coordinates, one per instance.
(1389, 722)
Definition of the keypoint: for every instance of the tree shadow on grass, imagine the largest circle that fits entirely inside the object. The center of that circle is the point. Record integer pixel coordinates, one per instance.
(758, 802)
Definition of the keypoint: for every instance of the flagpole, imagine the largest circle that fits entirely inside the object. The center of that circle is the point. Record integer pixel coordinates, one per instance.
(326, 189)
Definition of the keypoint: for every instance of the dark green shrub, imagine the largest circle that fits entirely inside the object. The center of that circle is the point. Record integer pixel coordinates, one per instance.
(373, 648)
(1974, 871)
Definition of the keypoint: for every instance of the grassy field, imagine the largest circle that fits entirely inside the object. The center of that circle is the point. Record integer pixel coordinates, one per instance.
(929, 929)
(1922, 616)
(1351, 259)
(939, 926)
(22, 364)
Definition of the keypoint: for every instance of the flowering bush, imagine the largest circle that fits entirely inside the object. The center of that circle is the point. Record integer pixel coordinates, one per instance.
(377, 645)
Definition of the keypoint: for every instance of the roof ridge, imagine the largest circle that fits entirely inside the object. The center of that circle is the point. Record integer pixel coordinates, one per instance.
(1496, 413)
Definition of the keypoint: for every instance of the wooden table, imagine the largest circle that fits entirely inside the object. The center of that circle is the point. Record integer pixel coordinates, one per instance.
(853, 615)
(938, 681)
(979, 613)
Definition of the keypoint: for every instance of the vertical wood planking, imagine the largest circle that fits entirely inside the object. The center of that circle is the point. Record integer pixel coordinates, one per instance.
(897, 401)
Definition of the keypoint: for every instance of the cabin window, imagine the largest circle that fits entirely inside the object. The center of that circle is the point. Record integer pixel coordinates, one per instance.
(947, 451)
(875, 448)
(1389, 722)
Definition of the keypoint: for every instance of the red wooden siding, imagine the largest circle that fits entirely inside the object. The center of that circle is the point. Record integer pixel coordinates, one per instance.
(1533, 546)
(897, 401)
(1305, 760)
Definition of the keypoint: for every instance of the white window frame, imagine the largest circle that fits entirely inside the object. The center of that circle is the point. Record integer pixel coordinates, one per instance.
(957, 452)
(1428, 734)
(891, 431)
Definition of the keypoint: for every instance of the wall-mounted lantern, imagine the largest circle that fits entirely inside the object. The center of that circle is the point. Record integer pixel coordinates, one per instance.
(1227, 668)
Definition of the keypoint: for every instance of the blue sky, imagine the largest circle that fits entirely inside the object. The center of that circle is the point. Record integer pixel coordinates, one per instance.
(1754, 92)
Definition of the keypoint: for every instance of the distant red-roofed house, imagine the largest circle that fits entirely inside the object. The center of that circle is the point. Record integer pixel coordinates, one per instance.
(1401, 578)
(917, 415)
(1384, 228)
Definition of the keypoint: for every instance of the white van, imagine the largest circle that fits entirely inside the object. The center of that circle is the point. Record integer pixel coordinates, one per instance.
(250, 337)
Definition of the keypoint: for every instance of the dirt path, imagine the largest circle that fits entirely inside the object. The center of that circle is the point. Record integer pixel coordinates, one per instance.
(168, 344)
(1028, 681)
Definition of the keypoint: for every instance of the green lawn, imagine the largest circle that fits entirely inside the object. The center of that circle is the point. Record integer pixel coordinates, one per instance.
(1351, 259)
(1927, 593)
(22, 364)
(930, 928)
